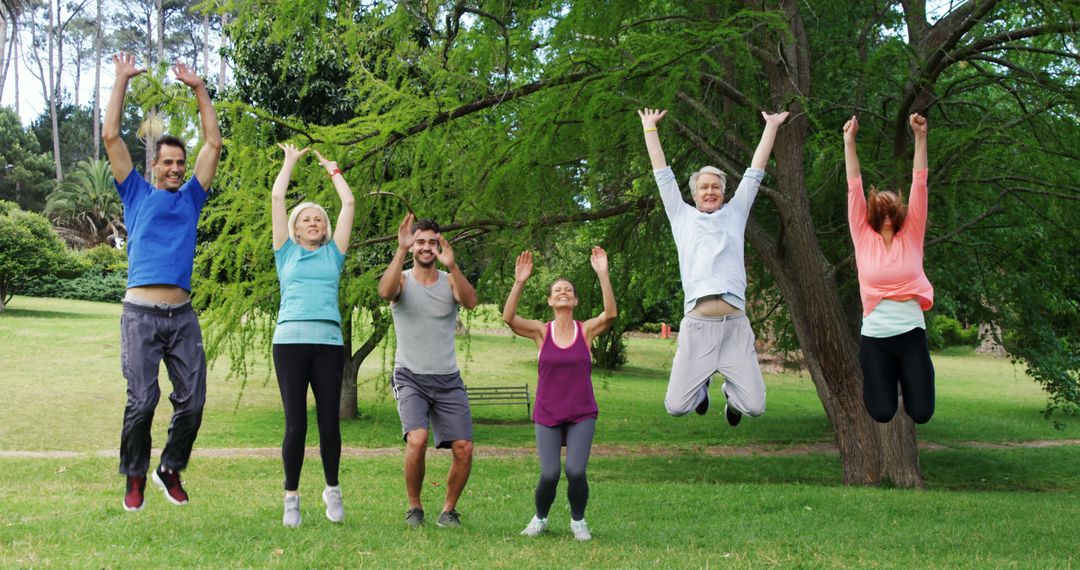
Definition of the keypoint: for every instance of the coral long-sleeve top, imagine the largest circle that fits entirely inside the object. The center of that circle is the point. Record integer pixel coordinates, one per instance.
(894, 272)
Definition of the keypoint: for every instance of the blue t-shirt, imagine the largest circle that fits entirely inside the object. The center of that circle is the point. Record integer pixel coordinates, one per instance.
(161, 230)
(309, 282)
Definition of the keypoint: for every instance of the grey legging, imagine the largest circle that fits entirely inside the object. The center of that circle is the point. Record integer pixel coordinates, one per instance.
(549, 441)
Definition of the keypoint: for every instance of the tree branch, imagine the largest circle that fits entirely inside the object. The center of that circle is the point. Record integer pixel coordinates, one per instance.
(481, 226)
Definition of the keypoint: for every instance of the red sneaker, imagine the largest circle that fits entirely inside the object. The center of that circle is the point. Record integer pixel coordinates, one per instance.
(133, 499)
(169, 481)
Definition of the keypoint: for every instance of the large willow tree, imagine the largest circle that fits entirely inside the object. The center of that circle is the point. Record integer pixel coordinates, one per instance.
(514, 124)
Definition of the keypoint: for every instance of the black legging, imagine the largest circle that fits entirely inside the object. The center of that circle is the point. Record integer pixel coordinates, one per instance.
(297, 366)
(904, 358)
(549, 440)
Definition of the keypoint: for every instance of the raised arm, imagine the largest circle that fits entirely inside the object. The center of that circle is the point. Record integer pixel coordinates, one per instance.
(348, 204)
(851, 158)
(768, 137)
(115, 149)
(207, 161)
(857, 223)
(917, 198)
(596, 326)
(392, 280)
(527, 328)
(649, 119)
(464, 292)
(919, 127)
(279, 216)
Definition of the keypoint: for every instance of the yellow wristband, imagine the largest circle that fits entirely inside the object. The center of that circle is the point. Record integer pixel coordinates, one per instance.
(650, 130)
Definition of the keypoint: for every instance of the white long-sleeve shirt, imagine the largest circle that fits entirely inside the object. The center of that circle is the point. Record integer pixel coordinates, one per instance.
(711, 246)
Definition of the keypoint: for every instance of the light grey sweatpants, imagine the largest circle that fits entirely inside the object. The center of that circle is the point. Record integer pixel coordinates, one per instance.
(715, 344)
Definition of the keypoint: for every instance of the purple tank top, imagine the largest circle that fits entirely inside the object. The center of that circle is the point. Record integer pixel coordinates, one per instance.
(564, 392)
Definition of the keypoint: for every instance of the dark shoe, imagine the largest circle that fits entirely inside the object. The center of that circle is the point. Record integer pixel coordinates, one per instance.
(733, 416)
(703, 407)
(449, 519)
(134, 498)
(414, 517)
(169, 481)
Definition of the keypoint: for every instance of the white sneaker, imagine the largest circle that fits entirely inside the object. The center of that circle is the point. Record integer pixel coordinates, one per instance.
(536, 526)
(580, 529)
(335, 511)
(292, 511)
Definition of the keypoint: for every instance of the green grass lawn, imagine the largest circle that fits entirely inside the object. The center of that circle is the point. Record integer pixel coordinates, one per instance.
(59, 363)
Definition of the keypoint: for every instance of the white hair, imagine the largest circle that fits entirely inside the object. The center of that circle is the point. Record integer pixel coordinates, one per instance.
(708, 170)
(296, 214)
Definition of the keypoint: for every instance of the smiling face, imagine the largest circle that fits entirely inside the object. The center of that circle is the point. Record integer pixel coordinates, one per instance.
(425, 247)
(561, 295)
(310, 227)
(169, 167)
(708, 192)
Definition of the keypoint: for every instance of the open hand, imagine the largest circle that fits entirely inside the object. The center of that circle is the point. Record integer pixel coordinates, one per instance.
(650, 117)
(405, 236)
(329, 165)
(292, 154)
(125, 65)
(445, 253)
(187, 76)
(524, 267)
(598, 259)
(775, 118)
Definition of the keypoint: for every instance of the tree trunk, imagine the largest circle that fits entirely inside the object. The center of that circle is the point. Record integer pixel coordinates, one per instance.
(870, 453)
(350, 408)
(221, 56)
(96, 115)
(15, 56)
(206, 43)
(160, 31)
(54, 86)
(6, 51)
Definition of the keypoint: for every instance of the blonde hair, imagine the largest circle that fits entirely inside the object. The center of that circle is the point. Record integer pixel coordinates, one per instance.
(709, 170)
(296, 214)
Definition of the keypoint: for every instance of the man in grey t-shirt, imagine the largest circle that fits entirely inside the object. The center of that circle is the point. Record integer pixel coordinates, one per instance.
(427, 384)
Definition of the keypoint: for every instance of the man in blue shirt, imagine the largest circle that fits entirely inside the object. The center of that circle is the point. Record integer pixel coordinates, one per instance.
(158, 322)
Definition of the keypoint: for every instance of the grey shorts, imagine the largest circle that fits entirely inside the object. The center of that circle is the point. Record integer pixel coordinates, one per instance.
(436, 402)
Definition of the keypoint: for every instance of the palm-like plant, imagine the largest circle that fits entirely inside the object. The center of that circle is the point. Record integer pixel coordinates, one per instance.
(86, 208)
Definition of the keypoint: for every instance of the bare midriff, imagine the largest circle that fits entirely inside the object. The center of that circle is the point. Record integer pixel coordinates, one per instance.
(170, 294)
(901, 298)
(712, 306)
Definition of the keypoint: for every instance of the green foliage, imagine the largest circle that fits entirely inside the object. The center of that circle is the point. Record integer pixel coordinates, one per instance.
(29, 250)
(26, 171)
(515, 127)
(96, 274)
(76, 128)
(86, 208)
(944, 331)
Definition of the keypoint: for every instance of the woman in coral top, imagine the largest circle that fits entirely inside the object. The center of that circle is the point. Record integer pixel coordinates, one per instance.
(888, 236)
(565, 411)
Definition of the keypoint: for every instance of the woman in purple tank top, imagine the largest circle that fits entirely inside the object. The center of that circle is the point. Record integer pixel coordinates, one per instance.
(565, 410)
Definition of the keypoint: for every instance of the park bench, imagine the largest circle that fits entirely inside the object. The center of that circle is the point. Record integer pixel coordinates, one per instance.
(497, 395)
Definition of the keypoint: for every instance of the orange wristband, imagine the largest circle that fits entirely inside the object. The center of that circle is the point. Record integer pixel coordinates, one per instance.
(334, 172)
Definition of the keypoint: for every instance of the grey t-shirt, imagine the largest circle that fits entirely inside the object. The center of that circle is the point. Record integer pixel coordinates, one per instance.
(424, 320)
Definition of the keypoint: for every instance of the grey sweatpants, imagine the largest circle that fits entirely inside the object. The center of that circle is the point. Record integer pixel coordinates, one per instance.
(549, 441)
(148, 335)
(716, 344)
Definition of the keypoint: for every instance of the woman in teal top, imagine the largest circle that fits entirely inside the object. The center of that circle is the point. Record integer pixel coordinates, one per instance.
(308, 347)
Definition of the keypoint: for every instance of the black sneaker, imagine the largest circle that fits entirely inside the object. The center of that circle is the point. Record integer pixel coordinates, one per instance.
(703, 407)
(134, 498)
(449, 519)
(733, 416)
(414, 517)
(169, 481)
